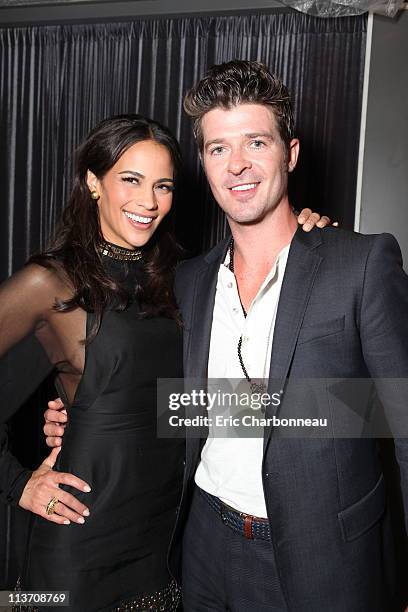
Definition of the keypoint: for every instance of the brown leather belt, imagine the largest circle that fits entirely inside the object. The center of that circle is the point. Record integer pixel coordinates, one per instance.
(251, 527)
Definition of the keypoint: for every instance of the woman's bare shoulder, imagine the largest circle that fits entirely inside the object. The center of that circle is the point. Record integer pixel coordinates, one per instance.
(40, 282)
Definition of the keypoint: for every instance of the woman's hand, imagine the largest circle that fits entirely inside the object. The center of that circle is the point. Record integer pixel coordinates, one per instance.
(43, 486)
(308, 219)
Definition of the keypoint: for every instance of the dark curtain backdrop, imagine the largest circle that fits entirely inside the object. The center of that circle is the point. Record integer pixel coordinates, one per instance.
(56, 82)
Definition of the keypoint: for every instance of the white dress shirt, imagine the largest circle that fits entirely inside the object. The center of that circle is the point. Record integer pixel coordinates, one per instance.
(231, 468)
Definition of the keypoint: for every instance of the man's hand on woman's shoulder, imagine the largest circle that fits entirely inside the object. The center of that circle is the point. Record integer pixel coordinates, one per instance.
(308, 219)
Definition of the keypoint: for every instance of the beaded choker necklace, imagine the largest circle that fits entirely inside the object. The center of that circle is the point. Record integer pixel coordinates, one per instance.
(119, 253)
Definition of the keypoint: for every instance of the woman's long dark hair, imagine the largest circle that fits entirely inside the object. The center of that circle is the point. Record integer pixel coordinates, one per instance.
(75, 248)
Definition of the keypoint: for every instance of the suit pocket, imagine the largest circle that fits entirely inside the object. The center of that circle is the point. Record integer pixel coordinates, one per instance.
(359, 517)
(320, 329)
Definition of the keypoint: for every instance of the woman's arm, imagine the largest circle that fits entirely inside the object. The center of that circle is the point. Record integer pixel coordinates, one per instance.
(26, 300)
(23, 366)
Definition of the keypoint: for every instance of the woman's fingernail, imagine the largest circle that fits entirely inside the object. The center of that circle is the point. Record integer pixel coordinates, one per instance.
(86, 513)
(67, 522)
(81, 520)
(87, 489)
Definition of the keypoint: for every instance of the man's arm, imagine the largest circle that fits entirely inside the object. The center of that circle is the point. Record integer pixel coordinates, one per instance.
(55, 421)
(384, 340)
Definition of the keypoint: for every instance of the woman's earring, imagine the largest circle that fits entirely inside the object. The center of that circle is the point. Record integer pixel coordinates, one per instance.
(95, 195)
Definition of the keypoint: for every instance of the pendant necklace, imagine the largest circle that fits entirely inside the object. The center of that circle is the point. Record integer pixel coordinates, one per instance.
(254, 386)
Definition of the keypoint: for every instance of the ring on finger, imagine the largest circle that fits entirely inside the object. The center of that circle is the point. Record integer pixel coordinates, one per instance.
(50, 507)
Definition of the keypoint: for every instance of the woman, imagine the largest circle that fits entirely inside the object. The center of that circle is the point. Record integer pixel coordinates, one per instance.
(100, 302)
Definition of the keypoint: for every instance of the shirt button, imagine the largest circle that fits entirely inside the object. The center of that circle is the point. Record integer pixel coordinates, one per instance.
(245, 339)
(235, 310)
(229, 285)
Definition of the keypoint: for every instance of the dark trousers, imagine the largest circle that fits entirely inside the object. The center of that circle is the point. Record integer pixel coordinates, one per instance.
(223, 570)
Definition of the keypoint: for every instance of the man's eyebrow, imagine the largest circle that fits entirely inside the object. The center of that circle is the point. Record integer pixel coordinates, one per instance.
(268, 135)
(214, 141)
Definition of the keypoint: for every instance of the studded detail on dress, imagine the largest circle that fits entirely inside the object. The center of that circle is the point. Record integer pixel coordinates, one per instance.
(165, 600)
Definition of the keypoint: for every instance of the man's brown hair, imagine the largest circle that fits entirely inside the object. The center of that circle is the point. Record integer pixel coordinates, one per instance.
(240, 82)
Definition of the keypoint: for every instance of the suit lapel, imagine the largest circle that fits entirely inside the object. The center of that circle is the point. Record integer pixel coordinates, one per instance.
(196, 354)
(301, 269)
(198, 345)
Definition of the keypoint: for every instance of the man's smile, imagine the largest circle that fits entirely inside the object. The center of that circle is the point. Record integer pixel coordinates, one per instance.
(244, 187)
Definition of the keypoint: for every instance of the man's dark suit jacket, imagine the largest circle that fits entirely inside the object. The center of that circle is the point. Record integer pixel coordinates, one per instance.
(342, 313)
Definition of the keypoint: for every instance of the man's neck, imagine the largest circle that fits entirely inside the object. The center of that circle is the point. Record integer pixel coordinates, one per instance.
(257, 246)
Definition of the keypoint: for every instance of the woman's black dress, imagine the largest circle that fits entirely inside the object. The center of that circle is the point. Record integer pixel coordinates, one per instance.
(118, 558)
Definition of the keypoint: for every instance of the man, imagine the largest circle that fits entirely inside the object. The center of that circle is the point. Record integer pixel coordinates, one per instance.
(274, 524)
(334, 303)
